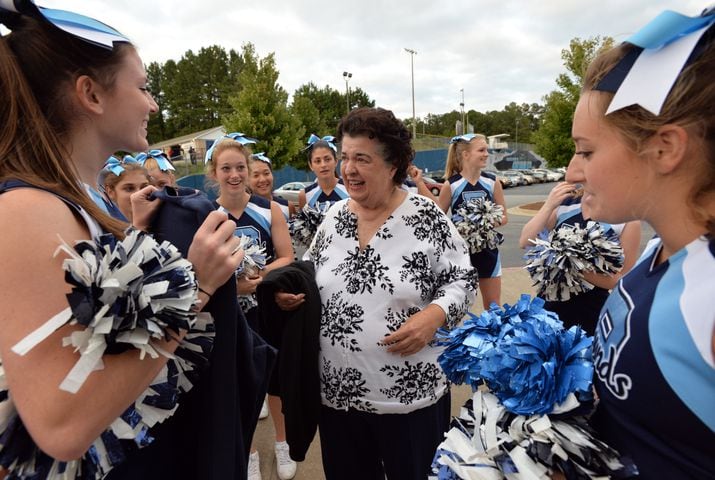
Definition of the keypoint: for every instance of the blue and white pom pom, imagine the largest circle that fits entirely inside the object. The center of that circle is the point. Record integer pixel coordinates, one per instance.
(306, 222)
(125, 294)
(254, 260)
(558, 260)
(476, 221)
(524, 366)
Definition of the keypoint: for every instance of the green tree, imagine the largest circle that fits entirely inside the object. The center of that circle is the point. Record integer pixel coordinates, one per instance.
(553, 138)
(260, 109)
(157, 128)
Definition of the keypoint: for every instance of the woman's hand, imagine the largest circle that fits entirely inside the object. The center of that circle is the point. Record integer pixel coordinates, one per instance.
(214, 251)
(143, 207)
(247, 285)
(416, 332)
(558, 194)
(288, 301)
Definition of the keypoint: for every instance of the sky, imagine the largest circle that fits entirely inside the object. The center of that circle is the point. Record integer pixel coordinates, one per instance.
(496, 51)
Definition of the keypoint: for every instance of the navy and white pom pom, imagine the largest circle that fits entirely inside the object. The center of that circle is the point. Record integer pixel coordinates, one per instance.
(125, 294)
(476, 221)
(558, 260)
(306, 222)
(254, 256)
(523, 366)
(488, 441)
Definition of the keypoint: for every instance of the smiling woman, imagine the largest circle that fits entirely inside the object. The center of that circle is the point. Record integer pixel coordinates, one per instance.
(391, 269)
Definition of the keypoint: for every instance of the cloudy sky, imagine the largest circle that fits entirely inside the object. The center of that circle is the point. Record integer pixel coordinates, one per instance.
(498, 51)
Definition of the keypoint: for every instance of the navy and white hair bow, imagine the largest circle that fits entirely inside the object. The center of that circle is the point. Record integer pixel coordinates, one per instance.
(261, 156)
(236, 136)
(162, 160)
(116, 166)
(467, 137)
(313, 139)
(79, 26)
(647, 73)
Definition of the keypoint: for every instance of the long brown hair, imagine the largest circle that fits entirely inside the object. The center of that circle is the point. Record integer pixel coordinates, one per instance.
(38, 63)
(687, 105)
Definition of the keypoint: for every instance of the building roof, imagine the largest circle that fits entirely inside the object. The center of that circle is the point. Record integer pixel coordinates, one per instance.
(209, 133)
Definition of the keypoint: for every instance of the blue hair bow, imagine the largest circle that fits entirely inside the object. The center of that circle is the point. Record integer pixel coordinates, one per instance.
(79, 26)
(116, 166)
(162, 160)
(262, 157)
(329, 139)
(646, 74)
(467, 137)
(236, 136)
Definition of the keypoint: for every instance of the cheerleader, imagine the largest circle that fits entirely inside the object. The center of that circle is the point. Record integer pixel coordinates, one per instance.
(261, 182)
(119, 180)
(79, 94)
(322, 160)
(645, 150)
(159, 167)
(466, 158)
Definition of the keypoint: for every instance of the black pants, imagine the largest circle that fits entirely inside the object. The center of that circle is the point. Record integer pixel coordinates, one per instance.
(369, 446)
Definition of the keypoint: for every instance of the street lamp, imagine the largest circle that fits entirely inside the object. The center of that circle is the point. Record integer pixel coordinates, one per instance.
(412, 64)
(461, 105)
(347, 76)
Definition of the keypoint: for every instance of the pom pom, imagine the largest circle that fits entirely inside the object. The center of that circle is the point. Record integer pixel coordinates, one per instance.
(306, 222)
(523, 354)
(558, 260)
(523, 366)
(124, 293)
(488, 441)
(254, 260)
(476, 221)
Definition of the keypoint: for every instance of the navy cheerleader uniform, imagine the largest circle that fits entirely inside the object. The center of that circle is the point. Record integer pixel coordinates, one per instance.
(314, 195)
(254, 222)
(488, 261)
(653, 359)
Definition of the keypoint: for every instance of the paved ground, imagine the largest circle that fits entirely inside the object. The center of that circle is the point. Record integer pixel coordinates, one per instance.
(515, 281)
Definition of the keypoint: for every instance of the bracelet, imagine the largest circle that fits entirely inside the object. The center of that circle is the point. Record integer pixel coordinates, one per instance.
(205, 292)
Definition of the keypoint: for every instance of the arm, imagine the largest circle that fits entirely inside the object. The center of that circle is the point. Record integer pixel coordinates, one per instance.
(445, 197)
(455, 291)
(545, 218)
(416, 175)
(33, 289)
(630, 241)
(281, 240)
(499, 200)
(301, 199)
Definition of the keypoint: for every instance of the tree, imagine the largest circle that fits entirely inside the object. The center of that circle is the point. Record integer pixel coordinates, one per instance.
(260, 109)
(330, 104)
(157, 128)
(553, 138)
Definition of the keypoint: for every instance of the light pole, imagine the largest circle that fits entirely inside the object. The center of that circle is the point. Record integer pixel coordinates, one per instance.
(347, 76)
(412, 64)
(464, 125)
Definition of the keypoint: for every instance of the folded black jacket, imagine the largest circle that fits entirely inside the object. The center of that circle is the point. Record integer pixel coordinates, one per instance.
(296, 336)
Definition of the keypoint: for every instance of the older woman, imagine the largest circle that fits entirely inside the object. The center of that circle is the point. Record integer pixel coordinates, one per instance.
(391, 269)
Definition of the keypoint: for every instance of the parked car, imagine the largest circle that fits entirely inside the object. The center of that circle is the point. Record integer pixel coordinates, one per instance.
(515, 178)
(539, 176)
(290, 190)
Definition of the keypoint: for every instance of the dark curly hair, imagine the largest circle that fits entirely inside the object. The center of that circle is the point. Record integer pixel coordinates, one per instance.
(392, 135)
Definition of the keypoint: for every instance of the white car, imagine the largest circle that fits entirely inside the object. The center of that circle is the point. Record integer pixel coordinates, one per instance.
(290, 190)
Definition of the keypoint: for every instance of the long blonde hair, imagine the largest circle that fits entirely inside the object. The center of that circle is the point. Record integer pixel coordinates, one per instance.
(455, 152)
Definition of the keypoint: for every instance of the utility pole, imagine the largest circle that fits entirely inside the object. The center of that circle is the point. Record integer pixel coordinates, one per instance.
(412, 64)
(347, 76)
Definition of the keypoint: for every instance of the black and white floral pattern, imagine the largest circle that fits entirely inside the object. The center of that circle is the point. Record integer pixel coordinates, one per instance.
(413, 382)
(344, 388)
(340, 321)
(415, 259)
(363, 270)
